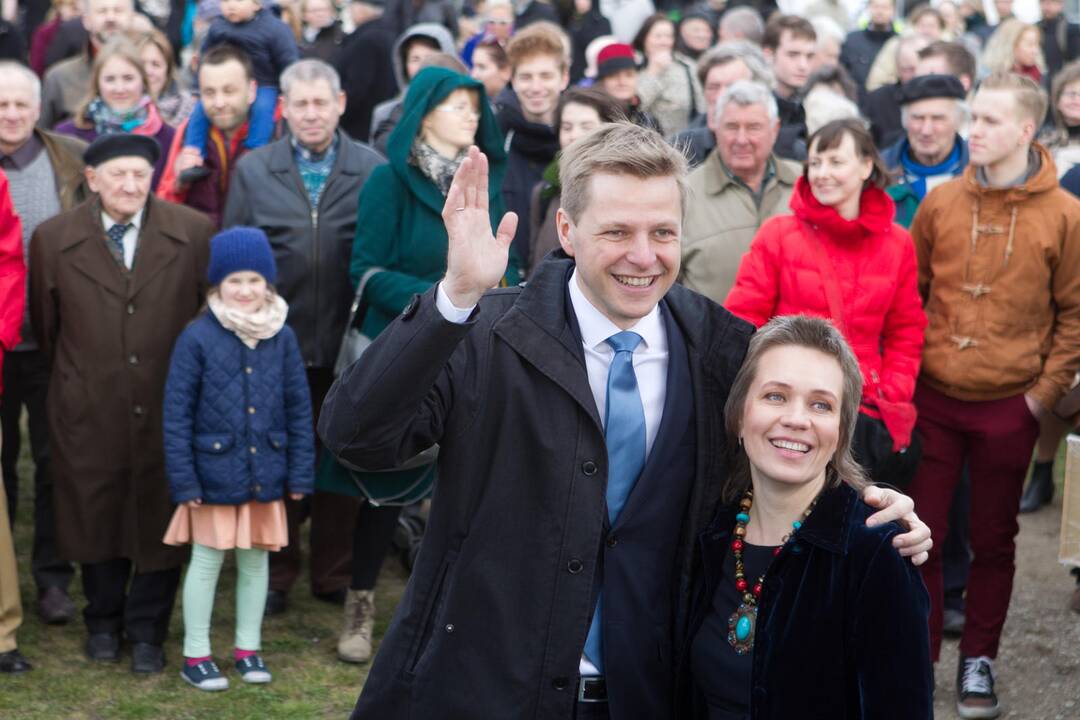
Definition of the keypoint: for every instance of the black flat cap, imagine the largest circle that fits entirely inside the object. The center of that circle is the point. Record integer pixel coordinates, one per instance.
(922, 87)
(108, 147)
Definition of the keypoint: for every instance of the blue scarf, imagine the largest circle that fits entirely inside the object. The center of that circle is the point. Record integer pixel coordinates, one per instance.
(915, 174)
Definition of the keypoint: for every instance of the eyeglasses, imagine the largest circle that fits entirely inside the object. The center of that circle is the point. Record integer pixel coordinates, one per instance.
(463, 109)
(1071, 95)
(497, 21)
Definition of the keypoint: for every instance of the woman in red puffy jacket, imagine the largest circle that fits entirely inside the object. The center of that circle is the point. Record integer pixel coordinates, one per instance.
(840, 256)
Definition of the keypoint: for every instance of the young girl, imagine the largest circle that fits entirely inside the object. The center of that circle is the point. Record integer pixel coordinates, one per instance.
(238, 436)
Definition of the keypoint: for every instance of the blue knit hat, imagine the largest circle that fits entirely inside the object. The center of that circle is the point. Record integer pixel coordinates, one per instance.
(240, 248)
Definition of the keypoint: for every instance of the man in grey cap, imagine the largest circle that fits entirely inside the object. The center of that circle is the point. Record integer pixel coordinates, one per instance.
(931, 152)
(114, 280)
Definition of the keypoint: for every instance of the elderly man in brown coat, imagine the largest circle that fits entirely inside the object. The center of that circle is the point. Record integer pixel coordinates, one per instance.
(113, 282)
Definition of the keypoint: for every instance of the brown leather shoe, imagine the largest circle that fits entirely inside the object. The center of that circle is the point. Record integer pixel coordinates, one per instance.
(1074, 601)
(55, 606)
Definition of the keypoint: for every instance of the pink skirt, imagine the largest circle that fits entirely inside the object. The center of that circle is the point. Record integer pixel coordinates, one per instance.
(226, 527)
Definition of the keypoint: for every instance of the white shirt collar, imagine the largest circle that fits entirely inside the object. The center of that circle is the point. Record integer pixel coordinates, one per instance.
(596, 328)
(136, 221)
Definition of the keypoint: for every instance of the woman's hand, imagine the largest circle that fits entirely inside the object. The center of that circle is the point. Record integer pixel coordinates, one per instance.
(296, 496)
(659, 61)
(476, 260)
(894, 506)
(194, 503)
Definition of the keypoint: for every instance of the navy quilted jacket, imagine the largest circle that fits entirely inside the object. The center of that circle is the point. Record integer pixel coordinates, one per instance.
(237, 421)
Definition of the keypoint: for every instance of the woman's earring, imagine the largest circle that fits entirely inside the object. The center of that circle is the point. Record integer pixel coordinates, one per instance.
(740, 441)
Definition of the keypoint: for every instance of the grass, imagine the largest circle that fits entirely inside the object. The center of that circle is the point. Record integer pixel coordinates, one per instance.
(299, 647)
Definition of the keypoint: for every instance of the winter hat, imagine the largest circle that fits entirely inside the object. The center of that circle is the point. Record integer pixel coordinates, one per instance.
(109, 147)
(613, 58)
(240, 248)
(923, 87)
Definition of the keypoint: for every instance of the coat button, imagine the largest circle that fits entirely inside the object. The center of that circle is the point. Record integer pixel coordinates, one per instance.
(133, 359)
(217, 446)
(575, 566)
(560, 683)
(253, 450)
(449, 627)
(131, 309)
(138, 410)
(257, 488)
(589, 468)
(612, 541)
(251, 410)
(248, 370)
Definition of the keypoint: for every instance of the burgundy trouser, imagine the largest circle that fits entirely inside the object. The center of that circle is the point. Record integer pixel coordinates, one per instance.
(996, 439)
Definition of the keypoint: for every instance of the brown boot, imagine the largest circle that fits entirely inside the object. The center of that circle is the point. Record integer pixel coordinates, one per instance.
(354, 645)
(1074, 601)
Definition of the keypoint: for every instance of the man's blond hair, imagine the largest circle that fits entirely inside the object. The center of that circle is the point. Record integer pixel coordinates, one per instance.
(619, 148)
(1030, 98)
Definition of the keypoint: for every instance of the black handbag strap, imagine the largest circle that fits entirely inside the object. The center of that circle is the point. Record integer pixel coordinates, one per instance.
(359, 297)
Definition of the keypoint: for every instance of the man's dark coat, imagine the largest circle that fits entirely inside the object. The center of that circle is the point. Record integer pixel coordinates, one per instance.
(109, 334)
(312, 246)
(494, 618)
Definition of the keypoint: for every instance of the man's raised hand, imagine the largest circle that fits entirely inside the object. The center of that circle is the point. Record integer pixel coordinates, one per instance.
(476, 260)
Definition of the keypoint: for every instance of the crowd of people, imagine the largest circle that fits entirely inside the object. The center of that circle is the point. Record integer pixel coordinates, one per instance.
(551, 229)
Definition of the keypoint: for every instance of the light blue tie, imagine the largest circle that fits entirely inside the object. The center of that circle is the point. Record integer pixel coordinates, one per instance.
(624, 433)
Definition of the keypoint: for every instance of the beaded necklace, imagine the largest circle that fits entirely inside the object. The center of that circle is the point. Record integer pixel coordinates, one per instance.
(742, 622)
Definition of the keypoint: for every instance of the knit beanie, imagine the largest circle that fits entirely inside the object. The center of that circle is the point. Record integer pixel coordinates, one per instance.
(240, 248)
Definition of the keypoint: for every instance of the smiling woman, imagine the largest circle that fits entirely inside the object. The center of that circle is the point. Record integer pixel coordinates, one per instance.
(841, 256)
(788, 568)
(119, 101)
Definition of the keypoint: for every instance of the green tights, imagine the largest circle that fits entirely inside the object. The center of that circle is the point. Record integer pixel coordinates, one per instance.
(200, 585)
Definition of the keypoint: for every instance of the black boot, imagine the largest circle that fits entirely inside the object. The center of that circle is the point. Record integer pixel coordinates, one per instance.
(1040, 491)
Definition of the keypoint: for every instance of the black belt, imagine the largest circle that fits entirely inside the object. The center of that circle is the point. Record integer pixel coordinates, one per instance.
(592, 689)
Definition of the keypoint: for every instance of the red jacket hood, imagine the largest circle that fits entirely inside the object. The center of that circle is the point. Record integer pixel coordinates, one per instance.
(876, 212)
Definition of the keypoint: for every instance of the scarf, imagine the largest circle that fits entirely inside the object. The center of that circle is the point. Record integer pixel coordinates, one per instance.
(437, 168)
(251, 327)
(314, 167)
(916, 175)
(143, 119)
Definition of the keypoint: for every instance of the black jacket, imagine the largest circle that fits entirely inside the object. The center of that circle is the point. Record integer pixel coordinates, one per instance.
(365, 63)
(882, 109)
(791, 140)
(312, 249)
(494, 618)
(1061, 44)
(842, 621)
(858, 53)
(530, 147)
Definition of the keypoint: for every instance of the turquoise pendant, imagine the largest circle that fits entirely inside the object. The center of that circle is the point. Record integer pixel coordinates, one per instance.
(741, 628)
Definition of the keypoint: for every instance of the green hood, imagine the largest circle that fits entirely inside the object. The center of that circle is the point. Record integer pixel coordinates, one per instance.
(427, 90)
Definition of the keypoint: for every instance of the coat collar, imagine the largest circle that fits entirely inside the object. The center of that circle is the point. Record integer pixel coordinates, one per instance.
(349, 162)
(828, 527)
(158, 243)
(718, 179)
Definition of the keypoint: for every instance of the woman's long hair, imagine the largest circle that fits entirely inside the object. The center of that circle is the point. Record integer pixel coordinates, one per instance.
(1000, 52)
(806, 332)
(122, 48)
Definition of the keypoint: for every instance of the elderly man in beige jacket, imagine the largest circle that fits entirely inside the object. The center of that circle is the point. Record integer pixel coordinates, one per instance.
(739, 186)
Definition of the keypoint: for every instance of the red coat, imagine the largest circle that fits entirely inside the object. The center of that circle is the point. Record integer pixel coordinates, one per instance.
(871, 268)
(12, 274)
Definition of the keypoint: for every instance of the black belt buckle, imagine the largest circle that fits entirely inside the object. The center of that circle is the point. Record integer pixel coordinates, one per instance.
(592, 690)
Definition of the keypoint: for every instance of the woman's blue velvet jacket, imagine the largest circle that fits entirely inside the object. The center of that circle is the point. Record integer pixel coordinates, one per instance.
(842, 621)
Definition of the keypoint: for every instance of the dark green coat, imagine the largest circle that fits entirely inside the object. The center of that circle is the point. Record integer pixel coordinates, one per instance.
(399, 222)
(399, 227)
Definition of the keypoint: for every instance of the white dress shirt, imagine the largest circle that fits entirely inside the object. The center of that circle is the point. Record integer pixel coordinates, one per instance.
(131, 237)
(650, 364)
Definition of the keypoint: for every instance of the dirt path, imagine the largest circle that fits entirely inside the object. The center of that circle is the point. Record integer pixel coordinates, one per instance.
(1038, 667)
